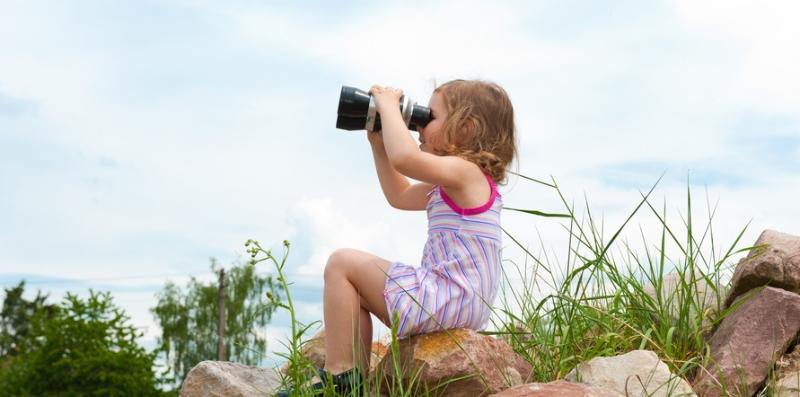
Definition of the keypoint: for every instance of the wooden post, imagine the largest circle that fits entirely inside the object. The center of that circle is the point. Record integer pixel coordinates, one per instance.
(221, 313)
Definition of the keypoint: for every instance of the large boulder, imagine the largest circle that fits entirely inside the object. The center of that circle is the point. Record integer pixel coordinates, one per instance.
(559, 388)
(456, 363)
(223, 378)
(749, 341)
(636, 373)
(777, 265)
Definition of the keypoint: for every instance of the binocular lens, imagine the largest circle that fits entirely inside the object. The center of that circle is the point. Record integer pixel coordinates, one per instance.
(356, 106)
(353, 102)
(351, 123)
(420, 115)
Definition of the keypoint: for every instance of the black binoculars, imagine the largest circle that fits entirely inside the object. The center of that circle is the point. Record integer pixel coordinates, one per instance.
(357, 111)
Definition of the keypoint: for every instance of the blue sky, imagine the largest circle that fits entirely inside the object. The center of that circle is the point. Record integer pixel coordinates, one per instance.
(139, 139)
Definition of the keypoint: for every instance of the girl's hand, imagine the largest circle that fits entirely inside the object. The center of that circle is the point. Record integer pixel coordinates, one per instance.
(386, 96)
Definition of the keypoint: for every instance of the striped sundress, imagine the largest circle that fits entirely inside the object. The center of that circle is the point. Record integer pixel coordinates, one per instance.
(460, 271)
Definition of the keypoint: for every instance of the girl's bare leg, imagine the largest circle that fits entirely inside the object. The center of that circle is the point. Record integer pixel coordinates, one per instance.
(365, 340)
(354, 282)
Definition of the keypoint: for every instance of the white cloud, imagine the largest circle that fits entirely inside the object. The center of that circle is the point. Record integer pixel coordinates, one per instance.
(400, 44)
(328, 229)
(332, 224)
(766, 34)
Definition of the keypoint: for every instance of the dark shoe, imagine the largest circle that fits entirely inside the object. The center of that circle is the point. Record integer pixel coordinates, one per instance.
(346, 384)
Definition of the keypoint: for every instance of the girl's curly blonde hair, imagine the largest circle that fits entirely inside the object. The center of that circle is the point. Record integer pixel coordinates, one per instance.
(480, 125)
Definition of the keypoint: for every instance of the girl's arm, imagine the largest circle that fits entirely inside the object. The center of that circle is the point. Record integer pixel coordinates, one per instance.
(399, 143)
(404, 155)
(393, 183)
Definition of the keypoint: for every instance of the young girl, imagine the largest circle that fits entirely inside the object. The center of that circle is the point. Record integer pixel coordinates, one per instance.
(464, 152)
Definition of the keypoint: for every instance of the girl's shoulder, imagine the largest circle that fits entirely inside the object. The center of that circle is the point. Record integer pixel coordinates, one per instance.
(477, 193)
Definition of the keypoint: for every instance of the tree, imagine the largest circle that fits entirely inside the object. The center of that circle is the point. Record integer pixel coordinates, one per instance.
(83, 347)
(189, 322)
(15, 317)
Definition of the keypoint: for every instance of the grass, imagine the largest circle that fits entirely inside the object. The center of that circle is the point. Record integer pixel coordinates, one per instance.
(589, 302)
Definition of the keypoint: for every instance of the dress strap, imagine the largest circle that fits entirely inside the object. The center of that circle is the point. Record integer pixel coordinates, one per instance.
(493, 194)
(492, 184)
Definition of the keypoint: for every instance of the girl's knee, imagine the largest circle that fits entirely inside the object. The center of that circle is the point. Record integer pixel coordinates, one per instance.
(337, 262)
(340, 255)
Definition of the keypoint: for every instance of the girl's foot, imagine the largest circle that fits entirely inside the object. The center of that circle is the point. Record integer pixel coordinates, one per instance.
(348, 383)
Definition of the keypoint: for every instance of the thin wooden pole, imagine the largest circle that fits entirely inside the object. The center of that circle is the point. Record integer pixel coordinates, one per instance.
(221, 313)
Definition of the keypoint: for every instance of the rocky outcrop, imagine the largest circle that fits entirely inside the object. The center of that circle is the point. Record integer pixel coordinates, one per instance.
(749, 341)
(757, 338)
(776, 264)
(456, 363)
(559, 388)
(754, 338)
(636, 373)
(222, 378)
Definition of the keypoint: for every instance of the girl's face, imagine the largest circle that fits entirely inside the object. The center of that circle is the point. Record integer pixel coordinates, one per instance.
(429, 136)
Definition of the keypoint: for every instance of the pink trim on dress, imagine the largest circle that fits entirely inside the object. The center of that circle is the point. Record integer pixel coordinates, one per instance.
(471, 211)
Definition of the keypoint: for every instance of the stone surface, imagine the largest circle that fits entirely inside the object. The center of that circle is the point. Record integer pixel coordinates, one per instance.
(749, 341)
(788, 385)
(559, 388)
(483, 364)
(223, 378)
(636, 373)
(777, 265)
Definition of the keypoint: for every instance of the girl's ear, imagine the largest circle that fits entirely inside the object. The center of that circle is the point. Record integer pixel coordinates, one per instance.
(467, 130)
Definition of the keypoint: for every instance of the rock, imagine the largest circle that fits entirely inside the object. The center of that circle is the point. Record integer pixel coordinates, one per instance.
(559, 388)
(777, 265)
(314, 350)
(788, 386)
(749, 341)
(223, 378)
(636, 373)
(473, 364)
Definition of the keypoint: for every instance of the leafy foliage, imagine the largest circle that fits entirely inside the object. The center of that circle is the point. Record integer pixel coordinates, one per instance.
(189, 320)
(15, 318)
(667, 299)
(82, 347)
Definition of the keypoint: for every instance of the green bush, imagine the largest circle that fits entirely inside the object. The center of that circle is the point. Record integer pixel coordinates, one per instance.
(84, 348)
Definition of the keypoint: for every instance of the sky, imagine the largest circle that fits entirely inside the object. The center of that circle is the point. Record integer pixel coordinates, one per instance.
(140, 139)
